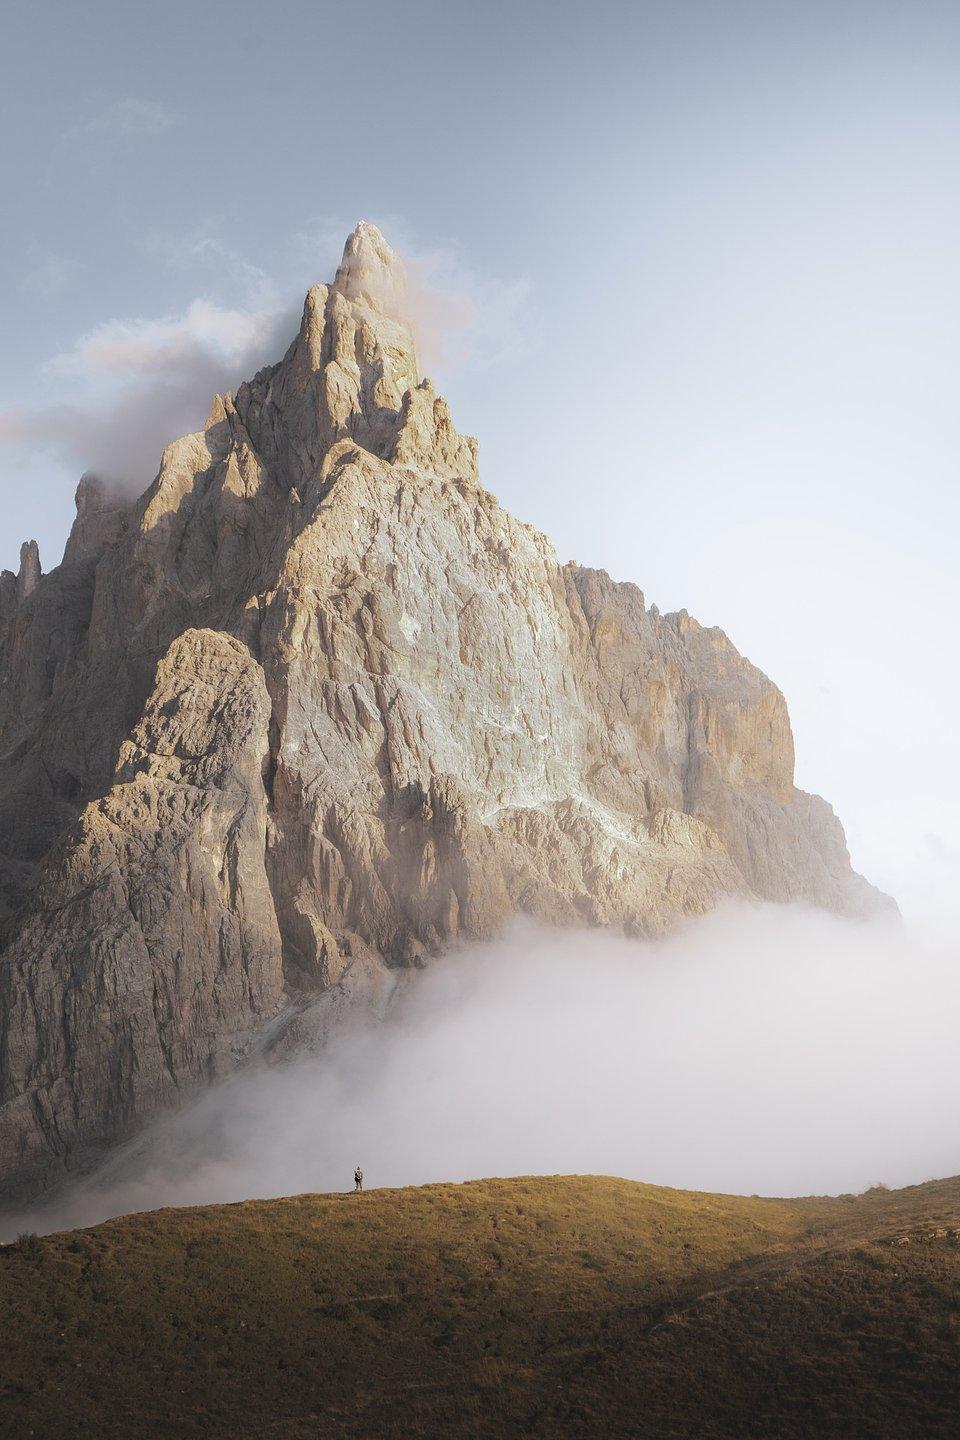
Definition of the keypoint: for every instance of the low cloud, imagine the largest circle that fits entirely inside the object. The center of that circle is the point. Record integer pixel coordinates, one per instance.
(135, 385)
(771, 1050)
(461, 319)
(125, 348)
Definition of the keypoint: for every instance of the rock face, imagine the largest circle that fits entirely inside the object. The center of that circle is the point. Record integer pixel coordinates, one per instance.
(314, 707)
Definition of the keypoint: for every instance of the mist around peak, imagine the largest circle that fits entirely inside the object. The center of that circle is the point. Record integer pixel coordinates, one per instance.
(120, 393)
(767, 1049)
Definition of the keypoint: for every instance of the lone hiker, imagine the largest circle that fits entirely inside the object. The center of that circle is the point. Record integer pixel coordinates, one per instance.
(358, 1179)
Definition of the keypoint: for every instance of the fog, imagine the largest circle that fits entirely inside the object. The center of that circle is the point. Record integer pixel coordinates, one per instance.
(766, 1049)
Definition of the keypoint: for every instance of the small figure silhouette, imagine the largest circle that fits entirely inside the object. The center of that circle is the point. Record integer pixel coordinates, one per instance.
(358, 1179)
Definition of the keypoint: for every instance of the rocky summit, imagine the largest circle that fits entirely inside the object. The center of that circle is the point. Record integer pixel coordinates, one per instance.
(314, 707)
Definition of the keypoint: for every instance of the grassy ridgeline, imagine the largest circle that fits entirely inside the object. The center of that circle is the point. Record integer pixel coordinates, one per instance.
(530, 1307)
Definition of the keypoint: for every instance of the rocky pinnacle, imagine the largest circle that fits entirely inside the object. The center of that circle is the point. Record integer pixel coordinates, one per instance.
(314, 707)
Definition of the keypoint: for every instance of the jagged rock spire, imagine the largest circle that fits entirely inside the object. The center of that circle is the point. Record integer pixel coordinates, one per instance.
(370, 271)
(354, 359)
(28, 576)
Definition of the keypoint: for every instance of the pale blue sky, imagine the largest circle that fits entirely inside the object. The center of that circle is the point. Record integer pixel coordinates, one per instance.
(711, 256)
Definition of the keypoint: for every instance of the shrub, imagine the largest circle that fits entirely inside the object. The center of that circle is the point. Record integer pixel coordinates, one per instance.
(29, 1245)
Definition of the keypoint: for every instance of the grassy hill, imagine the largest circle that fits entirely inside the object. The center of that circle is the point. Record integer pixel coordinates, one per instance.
(530, 1307)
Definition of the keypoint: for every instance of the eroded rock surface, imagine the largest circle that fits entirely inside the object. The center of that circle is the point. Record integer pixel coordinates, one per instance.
(313, 708)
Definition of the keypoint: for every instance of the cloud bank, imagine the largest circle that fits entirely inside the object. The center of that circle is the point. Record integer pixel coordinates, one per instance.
(762, 1050)
(135, 385)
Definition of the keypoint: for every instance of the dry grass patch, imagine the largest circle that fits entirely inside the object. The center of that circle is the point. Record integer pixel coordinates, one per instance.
(573, 1306)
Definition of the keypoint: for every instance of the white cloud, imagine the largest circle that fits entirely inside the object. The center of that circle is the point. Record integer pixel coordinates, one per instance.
(463, 319)
(226, 269)
(109, 135)
(127, 119)
(132, 386)
(123, 349)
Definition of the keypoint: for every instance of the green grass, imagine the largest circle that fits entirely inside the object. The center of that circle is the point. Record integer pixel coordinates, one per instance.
(530, 1307)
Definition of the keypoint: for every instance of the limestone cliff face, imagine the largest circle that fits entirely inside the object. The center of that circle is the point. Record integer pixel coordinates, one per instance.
(313, 708)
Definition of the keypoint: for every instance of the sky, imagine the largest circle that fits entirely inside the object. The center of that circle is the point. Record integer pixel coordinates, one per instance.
(705, 300)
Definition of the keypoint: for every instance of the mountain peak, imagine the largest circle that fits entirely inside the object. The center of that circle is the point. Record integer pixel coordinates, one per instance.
(376, 719)
(370, 271)
(28, 576)
(356, 356)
